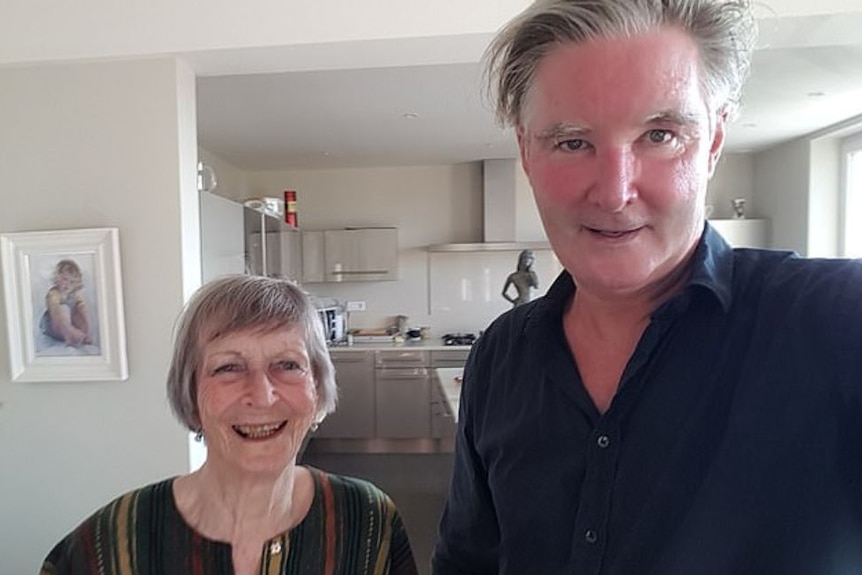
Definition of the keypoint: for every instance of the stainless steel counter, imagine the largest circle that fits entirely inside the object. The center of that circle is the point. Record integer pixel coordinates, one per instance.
(424, 344)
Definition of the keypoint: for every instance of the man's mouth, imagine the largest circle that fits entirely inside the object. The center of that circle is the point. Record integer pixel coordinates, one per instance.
(258, 432)
(612, 234)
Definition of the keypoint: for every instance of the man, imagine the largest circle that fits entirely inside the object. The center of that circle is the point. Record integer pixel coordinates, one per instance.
(671, 406)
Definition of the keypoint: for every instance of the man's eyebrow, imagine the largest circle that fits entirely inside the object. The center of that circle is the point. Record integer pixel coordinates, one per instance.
(672, 117)
(558, 130)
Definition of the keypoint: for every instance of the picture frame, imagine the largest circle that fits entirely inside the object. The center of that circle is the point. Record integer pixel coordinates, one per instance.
(64, 305)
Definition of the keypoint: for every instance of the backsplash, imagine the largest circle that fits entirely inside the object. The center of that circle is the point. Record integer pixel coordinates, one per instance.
(446, 291)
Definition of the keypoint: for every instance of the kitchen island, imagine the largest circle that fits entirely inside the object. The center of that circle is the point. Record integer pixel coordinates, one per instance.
(449, 379)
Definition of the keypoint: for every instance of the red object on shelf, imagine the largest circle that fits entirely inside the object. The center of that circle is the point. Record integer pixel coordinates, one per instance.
(290, 216)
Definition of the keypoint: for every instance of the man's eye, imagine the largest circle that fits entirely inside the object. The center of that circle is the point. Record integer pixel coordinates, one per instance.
(660, 136)
(572, 145)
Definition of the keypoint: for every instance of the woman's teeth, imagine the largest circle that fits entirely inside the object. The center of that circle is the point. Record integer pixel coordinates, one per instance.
(259, 431)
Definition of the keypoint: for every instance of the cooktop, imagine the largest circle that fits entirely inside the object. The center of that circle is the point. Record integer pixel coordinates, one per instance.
(459, 338)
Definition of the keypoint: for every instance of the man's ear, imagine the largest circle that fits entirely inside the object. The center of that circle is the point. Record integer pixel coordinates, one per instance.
(717, 143)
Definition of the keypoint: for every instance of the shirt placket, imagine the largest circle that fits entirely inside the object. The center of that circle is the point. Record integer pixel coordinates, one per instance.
(591, 525)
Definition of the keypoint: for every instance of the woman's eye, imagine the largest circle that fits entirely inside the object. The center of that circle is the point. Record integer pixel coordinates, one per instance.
(227, 368)
(289, 365)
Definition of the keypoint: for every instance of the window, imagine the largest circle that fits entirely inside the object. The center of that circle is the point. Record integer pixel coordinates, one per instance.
(851, 240)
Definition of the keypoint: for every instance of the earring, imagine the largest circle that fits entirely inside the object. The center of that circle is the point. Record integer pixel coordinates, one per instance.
(199, 435)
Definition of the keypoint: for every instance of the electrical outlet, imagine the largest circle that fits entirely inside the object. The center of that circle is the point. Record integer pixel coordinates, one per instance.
(356, 306)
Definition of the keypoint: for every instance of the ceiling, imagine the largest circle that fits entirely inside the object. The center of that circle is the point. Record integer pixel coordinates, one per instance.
(806, 75)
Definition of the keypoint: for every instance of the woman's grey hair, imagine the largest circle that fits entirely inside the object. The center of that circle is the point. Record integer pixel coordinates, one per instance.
(724, 30)
(237, 303)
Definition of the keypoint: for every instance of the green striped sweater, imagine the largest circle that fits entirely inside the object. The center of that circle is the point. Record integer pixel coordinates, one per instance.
(351, 528)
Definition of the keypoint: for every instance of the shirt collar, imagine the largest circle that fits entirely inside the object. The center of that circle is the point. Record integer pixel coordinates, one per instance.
(712, 266)
(711, 271)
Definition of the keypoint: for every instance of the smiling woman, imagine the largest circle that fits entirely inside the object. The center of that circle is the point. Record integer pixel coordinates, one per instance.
(252, 375)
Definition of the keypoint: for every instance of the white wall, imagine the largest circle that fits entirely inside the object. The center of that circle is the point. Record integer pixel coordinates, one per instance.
(96, 145)
(733, 178)
(781, 178)
(824, 198)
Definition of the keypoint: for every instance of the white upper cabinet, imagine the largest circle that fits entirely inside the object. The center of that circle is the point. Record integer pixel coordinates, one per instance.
(350, 255)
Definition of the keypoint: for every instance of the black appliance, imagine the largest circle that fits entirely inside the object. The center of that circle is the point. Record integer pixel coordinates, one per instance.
(459, 339)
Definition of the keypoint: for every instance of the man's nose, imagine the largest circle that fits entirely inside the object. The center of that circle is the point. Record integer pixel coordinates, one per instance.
(259, 390)
(614, 186)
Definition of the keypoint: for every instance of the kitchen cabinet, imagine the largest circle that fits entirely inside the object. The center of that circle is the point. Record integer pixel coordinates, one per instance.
(449, 357)
(273, 248)
(351, 254)
(355, 416)
(402, 382)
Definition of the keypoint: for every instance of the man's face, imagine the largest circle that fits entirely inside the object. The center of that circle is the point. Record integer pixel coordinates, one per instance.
(618, 143)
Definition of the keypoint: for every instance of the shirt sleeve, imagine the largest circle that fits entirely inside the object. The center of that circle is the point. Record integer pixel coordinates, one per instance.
(66, 558)
(401, 555)
(469, 535)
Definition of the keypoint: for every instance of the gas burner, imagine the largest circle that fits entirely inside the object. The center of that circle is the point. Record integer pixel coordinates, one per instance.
(459, 338)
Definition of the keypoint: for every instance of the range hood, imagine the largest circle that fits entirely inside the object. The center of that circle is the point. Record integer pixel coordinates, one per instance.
(510, 218)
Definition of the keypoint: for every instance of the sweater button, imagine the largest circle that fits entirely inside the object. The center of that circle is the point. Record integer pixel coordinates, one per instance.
(591, 536)
(603, 441)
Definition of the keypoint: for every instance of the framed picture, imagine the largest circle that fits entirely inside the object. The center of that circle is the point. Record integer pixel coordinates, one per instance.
(64, 305)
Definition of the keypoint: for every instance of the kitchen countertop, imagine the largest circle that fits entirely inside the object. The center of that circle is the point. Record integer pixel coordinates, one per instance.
(450, 383)
(434, 344)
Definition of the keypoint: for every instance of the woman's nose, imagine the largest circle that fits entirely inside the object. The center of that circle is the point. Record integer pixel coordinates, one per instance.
(614, 187)
(259, 389)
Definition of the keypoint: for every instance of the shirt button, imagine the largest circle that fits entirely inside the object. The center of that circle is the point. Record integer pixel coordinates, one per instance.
(590, 536)
(275, 547)
(603, 441)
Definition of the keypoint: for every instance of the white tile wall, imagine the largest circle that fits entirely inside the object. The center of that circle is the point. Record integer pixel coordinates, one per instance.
(465, 288)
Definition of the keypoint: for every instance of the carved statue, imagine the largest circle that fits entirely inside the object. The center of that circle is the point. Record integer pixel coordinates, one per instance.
(524, 279)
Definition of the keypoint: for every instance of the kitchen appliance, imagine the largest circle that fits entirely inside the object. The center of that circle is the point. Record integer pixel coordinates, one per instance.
(459, 339)
(334, 321)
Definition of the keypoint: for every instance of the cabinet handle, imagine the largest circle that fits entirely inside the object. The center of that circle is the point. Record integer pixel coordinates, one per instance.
(358, 272)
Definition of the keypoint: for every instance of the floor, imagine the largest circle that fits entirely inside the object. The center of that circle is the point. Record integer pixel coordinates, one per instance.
(417, 483)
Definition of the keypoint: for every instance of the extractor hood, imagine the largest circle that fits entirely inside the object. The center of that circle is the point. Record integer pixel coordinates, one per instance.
(510, 219)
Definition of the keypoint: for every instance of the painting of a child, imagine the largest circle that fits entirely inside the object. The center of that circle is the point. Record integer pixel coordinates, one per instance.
(66, 324)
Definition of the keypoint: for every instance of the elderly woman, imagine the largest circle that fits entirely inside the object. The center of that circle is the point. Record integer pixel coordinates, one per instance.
(250, 374)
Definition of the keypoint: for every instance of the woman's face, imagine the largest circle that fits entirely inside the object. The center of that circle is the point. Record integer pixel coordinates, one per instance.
(257, 400)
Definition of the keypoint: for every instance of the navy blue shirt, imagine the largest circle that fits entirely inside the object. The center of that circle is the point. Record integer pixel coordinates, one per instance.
(733, 444)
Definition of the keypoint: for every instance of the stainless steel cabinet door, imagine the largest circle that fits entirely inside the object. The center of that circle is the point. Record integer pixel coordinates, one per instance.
(354, 417)
(403, 402)
(364, 254)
